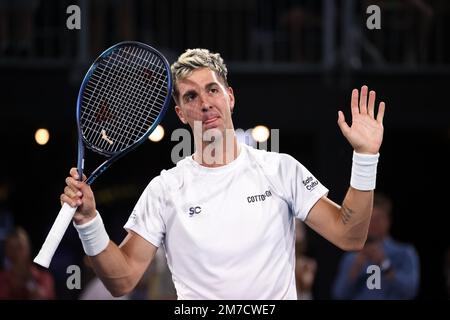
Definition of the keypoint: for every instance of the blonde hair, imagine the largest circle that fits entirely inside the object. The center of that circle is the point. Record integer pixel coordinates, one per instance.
(194, 59)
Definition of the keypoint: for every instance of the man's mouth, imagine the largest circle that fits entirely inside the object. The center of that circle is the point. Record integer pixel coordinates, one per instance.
(210, 120)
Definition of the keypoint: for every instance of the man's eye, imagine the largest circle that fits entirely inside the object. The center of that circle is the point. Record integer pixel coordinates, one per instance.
(213, 90)
(190, 97)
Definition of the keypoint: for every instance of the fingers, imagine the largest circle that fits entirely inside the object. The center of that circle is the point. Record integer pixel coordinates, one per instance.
(363, 100)
(73, 192)
(75, 185)
(371, 106)
(360, 105)
(354, 103)
(342, 124)
(71, 202)
(380, 114)
(74, 173)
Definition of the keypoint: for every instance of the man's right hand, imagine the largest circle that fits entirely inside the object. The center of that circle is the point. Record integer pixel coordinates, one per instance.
(79, 194)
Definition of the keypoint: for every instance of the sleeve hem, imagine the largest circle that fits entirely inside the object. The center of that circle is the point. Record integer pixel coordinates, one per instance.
(150, 238)
(322, 191)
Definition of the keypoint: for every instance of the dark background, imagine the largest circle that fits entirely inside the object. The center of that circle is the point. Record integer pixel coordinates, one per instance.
(296, 87)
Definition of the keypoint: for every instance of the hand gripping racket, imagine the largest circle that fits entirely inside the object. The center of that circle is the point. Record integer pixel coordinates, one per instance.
(122, 99)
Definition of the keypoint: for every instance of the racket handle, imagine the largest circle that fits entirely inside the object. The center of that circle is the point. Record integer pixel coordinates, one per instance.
(55, 235)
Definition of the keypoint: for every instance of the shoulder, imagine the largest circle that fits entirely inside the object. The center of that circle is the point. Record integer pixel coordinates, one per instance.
(172, 178)
(270, 159)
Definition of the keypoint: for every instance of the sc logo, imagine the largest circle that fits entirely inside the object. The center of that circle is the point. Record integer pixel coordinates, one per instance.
(194, 210)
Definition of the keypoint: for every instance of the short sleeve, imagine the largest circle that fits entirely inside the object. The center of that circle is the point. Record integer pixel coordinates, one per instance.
(147, 216)
(302, 189)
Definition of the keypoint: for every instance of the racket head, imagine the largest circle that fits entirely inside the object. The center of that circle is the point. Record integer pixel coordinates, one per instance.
(122, 99)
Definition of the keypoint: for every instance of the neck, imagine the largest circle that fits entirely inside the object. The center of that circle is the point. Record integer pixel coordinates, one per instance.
(218, 152)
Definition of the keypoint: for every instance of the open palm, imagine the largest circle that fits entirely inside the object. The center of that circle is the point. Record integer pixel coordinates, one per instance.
(366, 131)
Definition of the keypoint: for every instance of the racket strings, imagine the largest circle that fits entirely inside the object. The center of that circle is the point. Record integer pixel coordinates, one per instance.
(128, 89)
(137, 95)
(130, 94)
(112, 89)
(123, 98)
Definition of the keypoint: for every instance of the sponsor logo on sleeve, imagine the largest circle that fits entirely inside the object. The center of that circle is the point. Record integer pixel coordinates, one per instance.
(310, 183)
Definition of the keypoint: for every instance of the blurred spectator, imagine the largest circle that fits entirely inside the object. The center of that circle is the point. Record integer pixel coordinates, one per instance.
(21, 279)
(6, 217)
(299, 20)
(122, 23)
(305, 267)
(17, 26)
(407, 28)
(399, 263)
(6, 226)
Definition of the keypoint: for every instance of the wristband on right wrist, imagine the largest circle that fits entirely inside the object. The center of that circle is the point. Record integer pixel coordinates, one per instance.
(93, 236)
(364, 171)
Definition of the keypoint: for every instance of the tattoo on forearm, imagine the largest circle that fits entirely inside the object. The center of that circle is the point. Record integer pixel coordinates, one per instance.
(346, 214)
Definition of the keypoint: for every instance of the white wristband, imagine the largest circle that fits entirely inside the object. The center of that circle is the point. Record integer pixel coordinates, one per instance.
(93, 235)
(364, 171)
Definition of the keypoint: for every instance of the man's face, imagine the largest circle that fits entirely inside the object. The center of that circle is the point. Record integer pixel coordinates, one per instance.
(17, 249)
(204, 99)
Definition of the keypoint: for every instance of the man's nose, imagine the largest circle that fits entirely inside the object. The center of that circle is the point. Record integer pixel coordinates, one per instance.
(205, 104)
(205, 107)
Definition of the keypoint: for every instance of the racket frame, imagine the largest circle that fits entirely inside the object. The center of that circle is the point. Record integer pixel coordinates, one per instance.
(66, 213)
(82, 142)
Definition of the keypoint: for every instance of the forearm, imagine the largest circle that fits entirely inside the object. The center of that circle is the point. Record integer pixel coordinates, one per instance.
(355, 214)
(113, 268)
(109, 262)
(356, 209)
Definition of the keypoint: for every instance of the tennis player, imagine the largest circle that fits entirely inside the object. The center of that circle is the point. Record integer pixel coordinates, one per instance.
(225, 215)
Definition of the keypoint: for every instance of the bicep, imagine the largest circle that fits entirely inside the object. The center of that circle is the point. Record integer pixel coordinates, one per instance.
(324, 218)
(138, 252)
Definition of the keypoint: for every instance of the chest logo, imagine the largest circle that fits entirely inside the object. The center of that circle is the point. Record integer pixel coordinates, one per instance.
(259, 197)
(194, 210)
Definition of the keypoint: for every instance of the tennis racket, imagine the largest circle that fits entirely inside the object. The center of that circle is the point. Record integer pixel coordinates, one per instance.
(123, 97)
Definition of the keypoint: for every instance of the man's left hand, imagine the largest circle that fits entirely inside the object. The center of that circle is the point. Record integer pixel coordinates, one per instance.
(366, 131)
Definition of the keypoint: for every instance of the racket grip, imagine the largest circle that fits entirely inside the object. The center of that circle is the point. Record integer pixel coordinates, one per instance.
(55, 235)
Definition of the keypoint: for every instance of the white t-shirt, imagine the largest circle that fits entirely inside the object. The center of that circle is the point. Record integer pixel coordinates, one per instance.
(229, 231)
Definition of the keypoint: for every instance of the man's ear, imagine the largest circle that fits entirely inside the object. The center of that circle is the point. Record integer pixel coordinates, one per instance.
(180, 114)
(231, 96)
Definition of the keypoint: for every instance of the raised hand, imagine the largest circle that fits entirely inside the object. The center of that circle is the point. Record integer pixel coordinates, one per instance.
(79, 194)
(366, 131)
